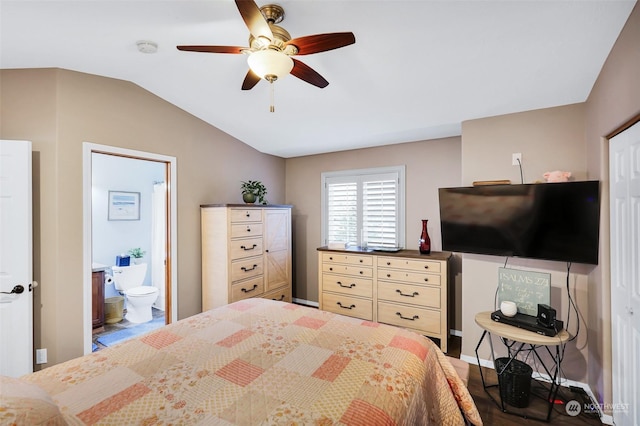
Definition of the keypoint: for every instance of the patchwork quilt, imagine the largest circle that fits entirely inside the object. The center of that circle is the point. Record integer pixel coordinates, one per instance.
(263, 362)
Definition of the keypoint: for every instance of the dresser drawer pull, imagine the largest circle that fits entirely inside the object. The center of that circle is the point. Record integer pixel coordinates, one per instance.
(352, 285)
(245, 269)
(426, 266)
(361, 272)
(330, 268)
(248, 229)
(388, 263)
(330, 257)
(415, 293)
(415, 317)
(248, 248)
(388, 275)
(426, 280)
(244, 290)
(279, 298)
(248, 214)
(361, 260)
(345, 307)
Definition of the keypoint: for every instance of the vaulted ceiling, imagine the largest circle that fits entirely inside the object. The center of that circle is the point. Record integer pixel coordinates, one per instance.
(418, 69)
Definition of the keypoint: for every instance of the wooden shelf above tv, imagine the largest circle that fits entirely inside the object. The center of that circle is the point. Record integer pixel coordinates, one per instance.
(491, 182)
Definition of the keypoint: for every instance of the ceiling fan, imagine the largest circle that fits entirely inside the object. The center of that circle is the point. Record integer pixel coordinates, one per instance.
(271, 47)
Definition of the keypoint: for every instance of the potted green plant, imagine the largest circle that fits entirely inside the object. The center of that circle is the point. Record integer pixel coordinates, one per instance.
(137, 254)
(253, 190)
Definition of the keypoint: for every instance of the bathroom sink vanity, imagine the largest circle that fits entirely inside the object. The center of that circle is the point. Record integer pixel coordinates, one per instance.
(97, 295)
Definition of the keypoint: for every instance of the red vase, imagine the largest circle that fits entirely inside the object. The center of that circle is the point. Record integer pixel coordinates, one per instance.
(425, 242)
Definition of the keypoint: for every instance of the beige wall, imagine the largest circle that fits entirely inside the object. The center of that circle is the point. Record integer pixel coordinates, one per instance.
(570, 138)
(429, 166)
(58, 110)
(615, 98)
(548, 139)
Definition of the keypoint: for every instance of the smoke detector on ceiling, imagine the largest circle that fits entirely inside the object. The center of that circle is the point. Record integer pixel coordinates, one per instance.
(146, 46)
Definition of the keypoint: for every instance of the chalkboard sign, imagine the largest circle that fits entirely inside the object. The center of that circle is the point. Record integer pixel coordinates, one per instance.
(525, 288)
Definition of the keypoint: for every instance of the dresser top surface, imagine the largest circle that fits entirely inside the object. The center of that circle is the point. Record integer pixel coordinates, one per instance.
(434, 255)
(246, 206)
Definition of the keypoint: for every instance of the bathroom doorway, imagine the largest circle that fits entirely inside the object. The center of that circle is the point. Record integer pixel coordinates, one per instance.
(148, 227)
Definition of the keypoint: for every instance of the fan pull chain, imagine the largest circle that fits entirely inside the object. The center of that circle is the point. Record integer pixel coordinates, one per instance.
(272, 107)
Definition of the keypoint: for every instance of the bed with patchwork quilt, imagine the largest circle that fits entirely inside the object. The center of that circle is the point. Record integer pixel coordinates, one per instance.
(260, 362)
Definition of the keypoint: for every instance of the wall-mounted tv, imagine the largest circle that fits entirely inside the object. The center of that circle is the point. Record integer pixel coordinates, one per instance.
(551, 221)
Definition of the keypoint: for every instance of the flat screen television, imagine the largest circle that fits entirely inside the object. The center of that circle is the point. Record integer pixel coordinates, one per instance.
(550, 221)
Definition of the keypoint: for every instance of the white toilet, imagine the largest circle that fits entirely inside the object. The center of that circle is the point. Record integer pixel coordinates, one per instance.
(139, 298)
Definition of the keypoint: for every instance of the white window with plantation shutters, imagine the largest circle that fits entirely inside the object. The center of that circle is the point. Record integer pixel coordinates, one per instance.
(364, 207)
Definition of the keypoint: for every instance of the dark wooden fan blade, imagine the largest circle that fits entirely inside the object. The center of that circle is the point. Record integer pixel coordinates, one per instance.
(253, 19)
(306, 73)
(213, 49)
(322, 42)
(250, 80)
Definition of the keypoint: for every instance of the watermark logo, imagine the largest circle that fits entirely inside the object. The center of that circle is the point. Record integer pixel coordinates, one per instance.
(620, 407)
(573, 408)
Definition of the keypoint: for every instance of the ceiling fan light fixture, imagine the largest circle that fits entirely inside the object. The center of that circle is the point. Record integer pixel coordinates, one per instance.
(270, 64)
(271, 47)
(263, 42)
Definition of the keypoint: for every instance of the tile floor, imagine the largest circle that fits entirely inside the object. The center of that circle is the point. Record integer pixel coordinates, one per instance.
(110, 328)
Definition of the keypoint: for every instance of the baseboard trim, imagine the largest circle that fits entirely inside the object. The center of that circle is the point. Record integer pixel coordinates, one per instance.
(305, 302)
(605, 419)
(474, 361)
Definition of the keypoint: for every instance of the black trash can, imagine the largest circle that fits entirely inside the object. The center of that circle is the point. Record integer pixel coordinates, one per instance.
(514, 382)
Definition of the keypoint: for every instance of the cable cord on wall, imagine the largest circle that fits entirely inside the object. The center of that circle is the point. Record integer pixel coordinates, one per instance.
(575, 308)
(521, 174)
(566, 325)
(495, 296)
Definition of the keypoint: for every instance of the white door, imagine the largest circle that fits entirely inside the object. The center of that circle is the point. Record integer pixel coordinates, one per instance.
(16, 308)
(624, 159)
(159, 243)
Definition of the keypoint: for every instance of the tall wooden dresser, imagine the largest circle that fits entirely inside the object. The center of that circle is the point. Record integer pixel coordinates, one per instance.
(246, 252)
(405, 288)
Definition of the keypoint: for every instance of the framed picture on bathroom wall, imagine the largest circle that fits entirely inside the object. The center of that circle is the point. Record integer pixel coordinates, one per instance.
(124, 205)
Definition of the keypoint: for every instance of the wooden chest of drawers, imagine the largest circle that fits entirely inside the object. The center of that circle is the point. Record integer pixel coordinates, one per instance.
(246, 252)
(405, 289)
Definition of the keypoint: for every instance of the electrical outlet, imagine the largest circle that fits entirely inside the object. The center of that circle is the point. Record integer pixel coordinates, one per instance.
(41, 356)
(516, 159)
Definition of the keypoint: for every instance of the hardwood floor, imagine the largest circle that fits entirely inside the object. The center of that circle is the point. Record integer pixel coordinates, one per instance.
(492, 415)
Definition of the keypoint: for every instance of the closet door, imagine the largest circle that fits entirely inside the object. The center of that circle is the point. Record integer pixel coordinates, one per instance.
(624, 159)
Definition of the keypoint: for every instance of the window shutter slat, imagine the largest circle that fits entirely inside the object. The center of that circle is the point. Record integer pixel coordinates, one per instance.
(379, 212)
(342, 222)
